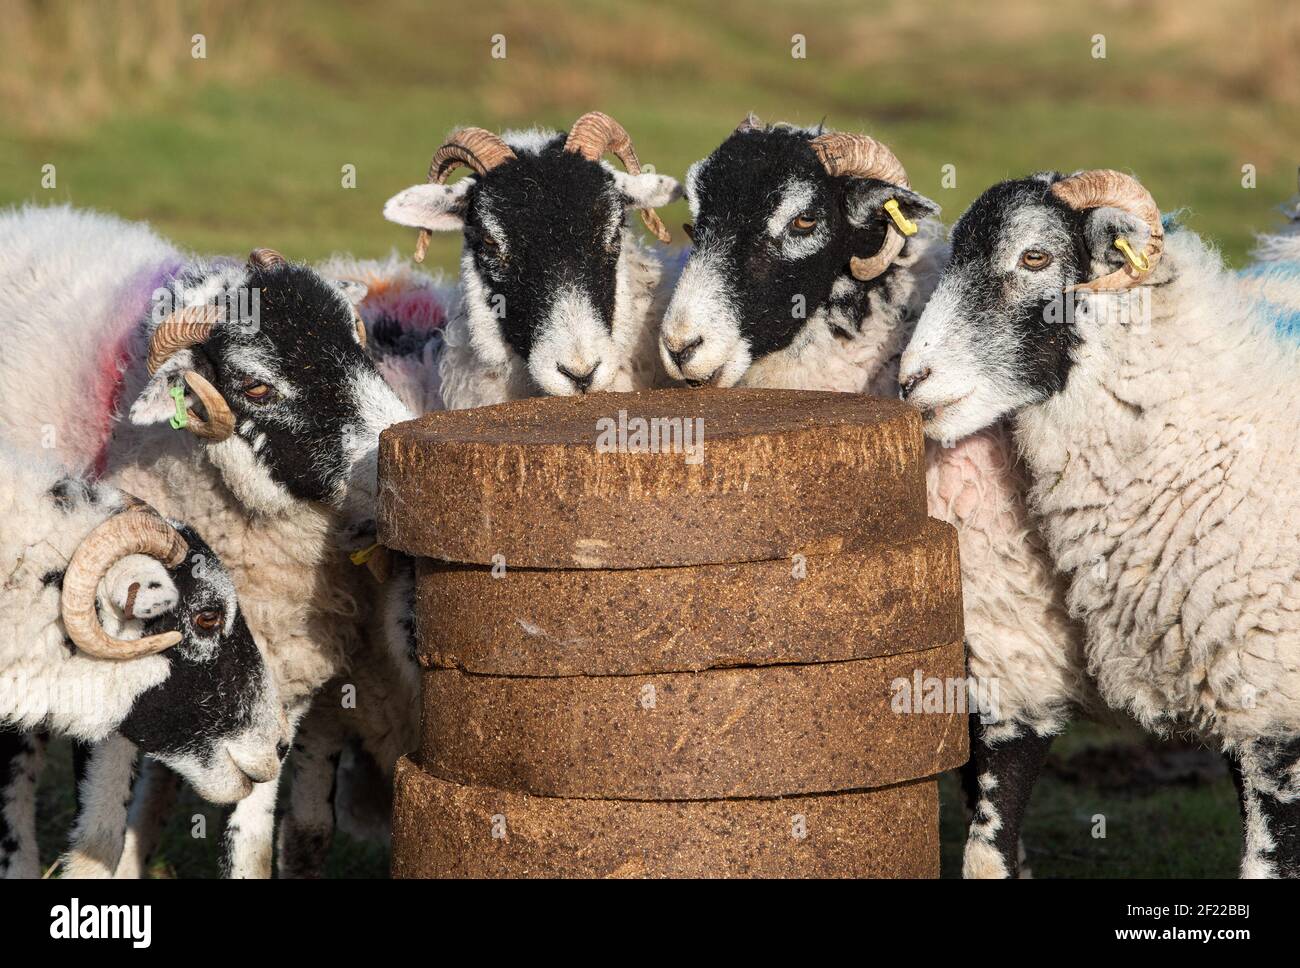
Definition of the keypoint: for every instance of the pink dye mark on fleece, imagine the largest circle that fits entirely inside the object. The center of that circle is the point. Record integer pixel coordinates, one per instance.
(414, 306)
(122, 340)
(976, 481)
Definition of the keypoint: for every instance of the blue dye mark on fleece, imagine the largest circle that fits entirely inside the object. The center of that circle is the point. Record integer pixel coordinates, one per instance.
(1273, 271)
(1284, 319)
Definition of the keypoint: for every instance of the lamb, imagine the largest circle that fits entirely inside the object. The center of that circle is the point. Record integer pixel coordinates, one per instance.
(534, 315)
(838, 293)
(283, 413)
(122, 628)
(1154, 400)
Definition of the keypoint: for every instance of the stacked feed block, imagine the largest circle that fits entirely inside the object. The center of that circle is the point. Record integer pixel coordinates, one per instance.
(643, 658)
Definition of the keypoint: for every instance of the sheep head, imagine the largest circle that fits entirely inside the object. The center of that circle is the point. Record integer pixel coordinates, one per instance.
(547, 285)
(793, 231)
(282, 391)
(1040, 267)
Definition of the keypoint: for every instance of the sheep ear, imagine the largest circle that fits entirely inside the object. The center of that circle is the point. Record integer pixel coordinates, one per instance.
(1102, 227)
(155, 403)
(866, 200)
(139, 587)
(439, 208)
(648, 189)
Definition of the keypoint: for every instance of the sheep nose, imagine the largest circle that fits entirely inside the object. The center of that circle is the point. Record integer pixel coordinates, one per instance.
(682, 355)
(912, 382)
(258, 768)
(281, 750)
(581, 381)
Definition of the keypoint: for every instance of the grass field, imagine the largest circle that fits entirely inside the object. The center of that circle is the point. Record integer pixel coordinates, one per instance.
(247, 146)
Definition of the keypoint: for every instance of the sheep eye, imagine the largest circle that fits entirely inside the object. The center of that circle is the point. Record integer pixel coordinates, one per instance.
(209, 620)
(258, 392)
(689, 229)
(1035, 259)
(803, 224)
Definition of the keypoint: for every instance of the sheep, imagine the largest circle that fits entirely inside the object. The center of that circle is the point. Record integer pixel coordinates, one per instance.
(556, 296)
(122, 628)
(498, 335)
(808, 206)
(1154, 401)
(283, 415)
(1274, 272)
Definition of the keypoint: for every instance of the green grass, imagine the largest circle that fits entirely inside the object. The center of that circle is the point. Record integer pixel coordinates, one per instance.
(1170, 810)
(225, 160)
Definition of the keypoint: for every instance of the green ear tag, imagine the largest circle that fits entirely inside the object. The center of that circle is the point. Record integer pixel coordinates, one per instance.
(181, 419)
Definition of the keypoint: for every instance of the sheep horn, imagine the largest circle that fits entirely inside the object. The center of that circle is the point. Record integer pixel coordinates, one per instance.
(132, 532)
(182, 329)
(595, 133)
(477, 149)
(1100, 188)
(266, 259)
(751, 123)
(221, 422)
(860, 156)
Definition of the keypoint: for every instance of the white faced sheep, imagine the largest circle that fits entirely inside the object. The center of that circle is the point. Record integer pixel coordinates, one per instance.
(276, 461)
(800, 277)
(1155, 402)
(556, 295)
(121, 628)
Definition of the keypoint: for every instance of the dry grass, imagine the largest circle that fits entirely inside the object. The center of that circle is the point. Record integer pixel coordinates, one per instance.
(67, 65)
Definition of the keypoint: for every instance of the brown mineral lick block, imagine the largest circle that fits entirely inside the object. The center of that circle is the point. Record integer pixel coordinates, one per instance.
(443, 829)
(541, 622)
(530, 482)
(747, 732)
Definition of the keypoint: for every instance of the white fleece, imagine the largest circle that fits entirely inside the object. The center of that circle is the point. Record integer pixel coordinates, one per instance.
(1164, 478)
(43, 683)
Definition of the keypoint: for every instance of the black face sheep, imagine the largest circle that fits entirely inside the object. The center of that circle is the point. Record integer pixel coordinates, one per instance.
(114, 620)
(1155, 401)
(799, 274)
(276, 426)
(557, 296)
(802, 277)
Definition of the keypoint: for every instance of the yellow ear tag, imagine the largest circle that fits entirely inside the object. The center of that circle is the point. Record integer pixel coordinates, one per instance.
(1138, 261)
(362, 556)
(905, 226)
(181, 419)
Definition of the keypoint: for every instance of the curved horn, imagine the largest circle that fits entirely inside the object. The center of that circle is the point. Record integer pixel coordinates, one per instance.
(361, 327)
(132, 532)
(595, 133)
(182, 329)
(266, 259)
(477, 149)
(221, 422)
(751, 123)
(1102, 187)
(860, 156)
